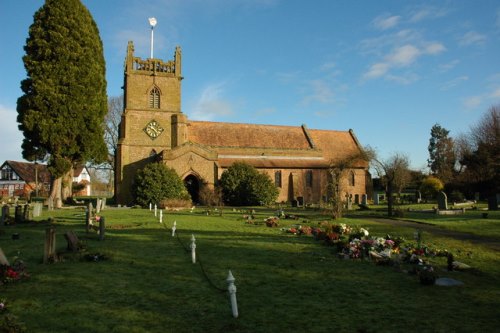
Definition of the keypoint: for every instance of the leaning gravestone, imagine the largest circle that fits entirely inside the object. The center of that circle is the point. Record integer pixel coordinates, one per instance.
(442, 201)
(3, 258)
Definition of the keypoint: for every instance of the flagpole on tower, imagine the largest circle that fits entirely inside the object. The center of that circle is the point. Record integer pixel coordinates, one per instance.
(152, 23)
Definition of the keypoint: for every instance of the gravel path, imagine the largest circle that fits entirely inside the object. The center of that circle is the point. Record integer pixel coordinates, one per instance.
(490, 242)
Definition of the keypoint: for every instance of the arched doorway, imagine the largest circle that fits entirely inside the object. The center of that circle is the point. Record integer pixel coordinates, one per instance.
(193, 186)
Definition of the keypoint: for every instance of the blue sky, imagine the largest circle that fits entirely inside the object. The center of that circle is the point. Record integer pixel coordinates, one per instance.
(389, 70)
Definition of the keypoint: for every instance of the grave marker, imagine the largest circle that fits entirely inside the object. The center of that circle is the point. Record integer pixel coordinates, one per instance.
(364, 199)
(442, 201)
(49, 253)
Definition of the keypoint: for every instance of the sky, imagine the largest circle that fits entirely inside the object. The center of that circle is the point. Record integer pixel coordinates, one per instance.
(389, 70)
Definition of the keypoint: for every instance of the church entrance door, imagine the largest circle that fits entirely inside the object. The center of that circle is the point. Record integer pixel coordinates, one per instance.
(192, 184)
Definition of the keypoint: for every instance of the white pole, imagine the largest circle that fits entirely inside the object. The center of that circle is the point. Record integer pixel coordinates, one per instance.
(155, 210)
(193, 249)
(150, 206)
(173, 228)
(161, 216)
(232, 294)
(152, 22)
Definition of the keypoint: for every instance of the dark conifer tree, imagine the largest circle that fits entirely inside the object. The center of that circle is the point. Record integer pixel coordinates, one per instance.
(62, 110)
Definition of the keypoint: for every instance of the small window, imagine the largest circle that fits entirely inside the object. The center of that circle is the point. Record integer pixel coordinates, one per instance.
(154, 98)
(309, 178)
(351, 179)
(277, 178)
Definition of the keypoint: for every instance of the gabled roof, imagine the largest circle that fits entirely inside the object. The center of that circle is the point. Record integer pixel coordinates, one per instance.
(297, 142)
(217, 134)
(26, 171)
(78, 170)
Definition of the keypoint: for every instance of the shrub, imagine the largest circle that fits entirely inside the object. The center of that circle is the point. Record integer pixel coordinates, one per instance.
(431, 186)
(243, 185)
(157, 182)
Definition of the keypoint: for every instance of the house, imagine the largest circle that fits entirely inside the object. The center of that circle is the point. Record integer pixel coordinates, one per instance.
(153, 128)
(23, 179)
(81, 181)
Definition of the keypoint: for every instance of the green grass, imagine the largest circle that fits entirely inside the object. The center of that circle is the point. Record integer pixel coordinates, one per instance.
(284, 282)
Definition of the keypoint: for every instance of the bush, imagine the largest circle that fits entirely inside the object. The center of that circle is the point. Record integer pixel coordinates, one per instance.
(431, 186)
(243, 185)
(157, 182)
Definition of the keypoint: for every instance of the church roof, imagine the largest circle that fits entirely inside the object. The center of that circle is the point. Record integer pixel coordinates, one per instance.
(274, 146)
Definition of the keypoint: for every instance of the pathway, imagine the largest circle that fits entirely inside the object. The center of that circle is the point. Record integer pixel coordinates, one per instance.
(490, 242)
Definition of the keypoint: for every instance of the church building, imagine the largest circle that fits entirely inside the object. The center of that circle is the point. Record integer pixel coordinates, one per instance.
(153, 128)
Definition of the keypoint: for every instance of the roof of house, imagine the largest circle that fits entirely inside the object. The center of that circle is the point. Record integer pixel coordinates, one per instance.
(27, 171)
(295, 142)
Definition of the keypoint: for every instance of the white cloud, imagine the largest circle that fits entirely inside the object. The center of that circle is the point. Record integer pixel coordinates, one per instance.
(211, 105)
(471, 38)
(403, 56)
(425, 13)
(434, 48)
(318, 91)
(403, 79)
(446, 67)
(452, 83)
(385, 22)
(328, 66)
(10, 145)
(495, 93)
(473, 101)
(376, 70)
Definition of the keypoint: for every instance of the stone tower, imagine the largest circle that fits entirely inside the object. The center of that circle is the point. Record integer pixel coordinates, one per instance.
(152, 120)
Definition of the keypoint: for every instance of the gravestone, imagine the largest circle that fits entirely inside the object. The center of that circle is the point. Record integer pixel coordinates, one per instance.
(98, 206)
(364, 199)
(26, 212)
(493, 202)
(3, 258)
(376, 199)
(418, 197)
(18, 215)
(442, 201)
(103, 203)
(73, 241)
(5, 215)
(349, 202)
(37, 209)
(49, 254)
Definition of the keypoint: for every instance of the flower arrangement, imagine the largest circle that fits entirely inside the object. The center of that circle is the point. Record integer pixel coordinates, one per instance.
(13, 273)
(272, 221)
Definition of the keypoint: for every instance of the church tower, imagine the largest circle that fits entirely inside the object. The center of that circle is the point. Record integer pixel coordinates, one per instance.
(152, 120)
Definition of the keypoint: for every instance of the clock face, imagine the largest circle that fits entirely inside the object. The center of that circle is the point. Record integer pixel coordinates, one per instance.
(153, 129)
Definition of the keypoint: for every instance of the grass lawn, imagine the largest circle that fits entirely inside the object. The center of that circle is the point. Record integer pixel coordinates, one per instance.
(284, 282)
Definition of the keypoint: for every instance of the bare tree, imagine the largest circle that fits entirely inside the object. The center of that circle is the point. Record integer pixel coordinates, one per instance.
(112, 126)
(395, 173)
(337, 174)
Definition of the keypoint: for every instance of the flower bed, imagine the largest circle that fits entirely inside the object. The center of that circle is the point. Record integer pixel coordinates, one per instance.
(357, 243)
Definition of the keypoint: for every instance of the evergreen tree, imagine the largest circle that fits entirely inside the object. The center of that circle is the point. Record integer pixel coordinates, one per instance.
(157, 182)
(441, 153)
(64, 103)
(243, 185)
